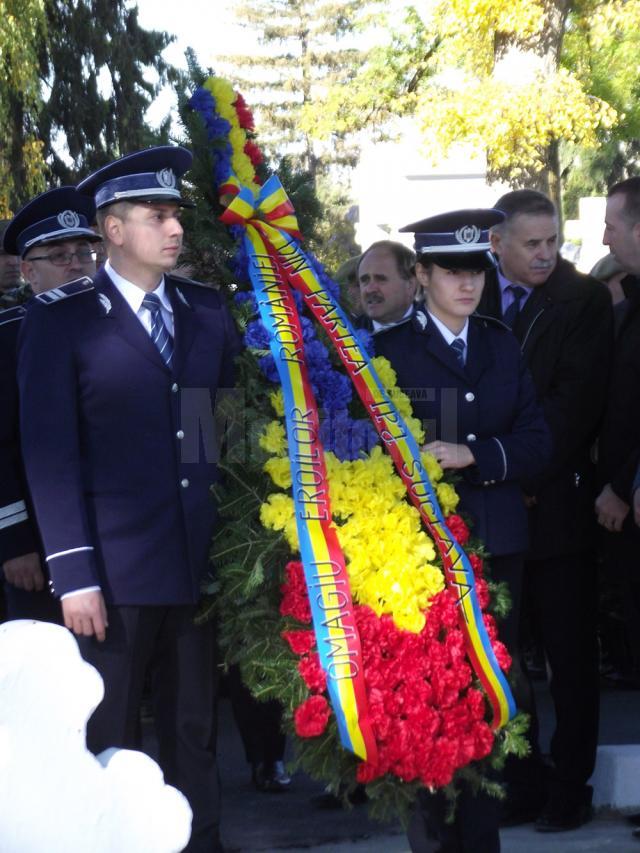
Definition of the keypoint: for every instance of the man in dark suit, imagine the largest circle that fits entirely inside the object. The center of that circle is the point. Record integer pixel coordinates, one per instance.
(118, 379)
(387, 282)
(619, 446)
(563, 321)
(51, 241)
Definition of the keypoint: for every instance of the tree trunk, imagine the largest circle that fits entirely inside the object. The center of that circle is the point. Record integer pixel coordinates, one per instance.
(16, 151)
(555, 183)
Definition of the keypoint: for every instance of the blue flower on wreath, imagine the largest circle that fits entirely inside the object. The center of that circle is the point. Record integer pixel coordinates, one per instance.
(240, 261)
(365, 339)
(202, 101)
(242, 297)
(268, 367)
(347, 437)
(256, 336)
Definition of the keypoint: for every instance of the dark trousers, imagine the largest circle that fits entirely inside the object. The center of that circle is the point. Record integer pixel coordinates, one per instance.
(259, 723)
(21, 604)
(474, 828)
(560, 595)
(475, 825)
(621, 554)
(179, 657)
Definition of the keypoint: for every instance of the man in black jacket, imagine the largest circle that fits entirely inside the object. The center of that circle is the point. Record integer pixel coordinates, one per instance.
(619, 446)
(563, 320)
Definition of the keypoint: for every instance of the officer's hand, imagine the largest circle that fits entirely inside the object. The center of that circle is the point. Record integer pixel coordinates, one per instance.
(25, 572)
(611, 510)
(450, 455)
(86, 614)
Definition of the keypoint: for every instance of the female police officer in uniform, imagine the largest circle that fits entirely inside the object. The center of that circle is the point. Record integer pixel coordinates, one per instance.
(467, 384)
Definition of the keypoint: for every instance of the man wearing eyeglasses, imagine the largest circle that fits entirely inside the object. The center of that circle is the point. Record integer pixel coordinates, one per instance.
(52, 241)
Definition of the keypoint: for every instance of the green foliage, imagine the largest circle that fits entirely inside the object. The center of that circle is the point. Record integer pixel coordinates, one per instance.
(601, 44)
(307, 47)
(23, 32)
(512, 740)
(90, 44)
(333, 239)
(538, 122)
(56, 120)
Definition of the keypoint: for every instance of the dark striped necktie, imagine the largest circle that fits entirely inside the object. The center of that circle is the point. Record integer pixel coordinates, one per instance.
(159, 333)
(512, 312)
(458, 346)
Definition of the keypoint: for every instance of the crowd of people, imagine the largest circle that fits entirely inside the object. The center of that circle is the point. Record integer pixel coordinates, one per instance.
(523, 371)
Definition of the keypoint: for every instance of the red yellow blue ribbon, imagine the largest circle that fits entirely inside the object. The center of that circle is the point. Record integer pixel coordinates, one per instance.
(292, 266)
(326, 576)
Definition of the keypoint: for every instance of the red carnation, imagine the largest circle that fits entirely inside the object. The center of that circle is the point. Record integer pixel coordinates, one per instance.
(253, 153)
(295, 601)
(491, 626)
(458, 528)
(311, 717)
(502, 655)
(482, 591)
(312, 673)
(244, 113)
(300, 642)
(484, 739)
(477, 564)
(367, 772)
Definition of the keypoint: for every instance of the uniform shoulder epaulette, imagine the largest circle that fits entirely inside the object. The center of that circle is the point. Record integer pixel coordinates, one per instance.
(182, 279)
(488, 320)
(71, 288)
(181, 283)
(12, 315)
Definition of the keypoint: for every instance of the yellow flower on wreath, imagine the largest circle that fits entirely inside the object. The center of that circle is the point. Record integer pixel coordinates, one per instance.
(432, 467)
(279, 469)
(400, 400)
(225, 97)
(276, 398)
(277, 511)
(447, 498)
(274, 439)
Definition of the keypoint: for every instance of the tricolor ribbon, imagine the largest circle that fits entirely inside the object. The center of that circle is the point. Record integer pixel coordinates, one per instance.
(325, 572)
(290, 264)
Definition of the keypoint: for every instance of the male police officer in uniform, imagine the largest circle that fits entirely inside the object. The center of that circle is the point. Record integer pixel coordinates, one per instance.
(51, 240)
(120, 475)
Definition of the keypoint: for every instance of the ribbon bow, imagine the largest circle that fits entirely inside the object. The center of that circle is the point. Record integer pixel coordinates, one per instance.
(272, 205)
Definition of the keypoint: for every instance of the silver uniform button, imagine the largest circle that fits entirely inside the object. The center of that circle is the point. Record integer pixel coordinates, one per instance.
(174, 388)
(469, 396)
(184, 483)
(471, 437)
(180, 434)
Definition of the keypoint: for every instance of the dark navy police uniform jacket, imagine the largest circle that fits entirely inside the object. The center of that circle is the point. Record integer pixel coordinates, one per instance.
(120, 482)
(18, 534)
(489, 405)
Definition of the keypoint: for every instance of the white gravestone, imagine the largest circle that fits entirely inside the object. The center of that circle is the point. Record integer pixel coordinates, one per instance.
(55, 796)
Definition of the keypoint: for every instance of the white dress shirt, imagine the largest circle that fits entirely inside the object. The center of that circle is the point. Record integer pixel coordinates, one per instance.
(133, 296)
(448, 335)
(381, 327)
